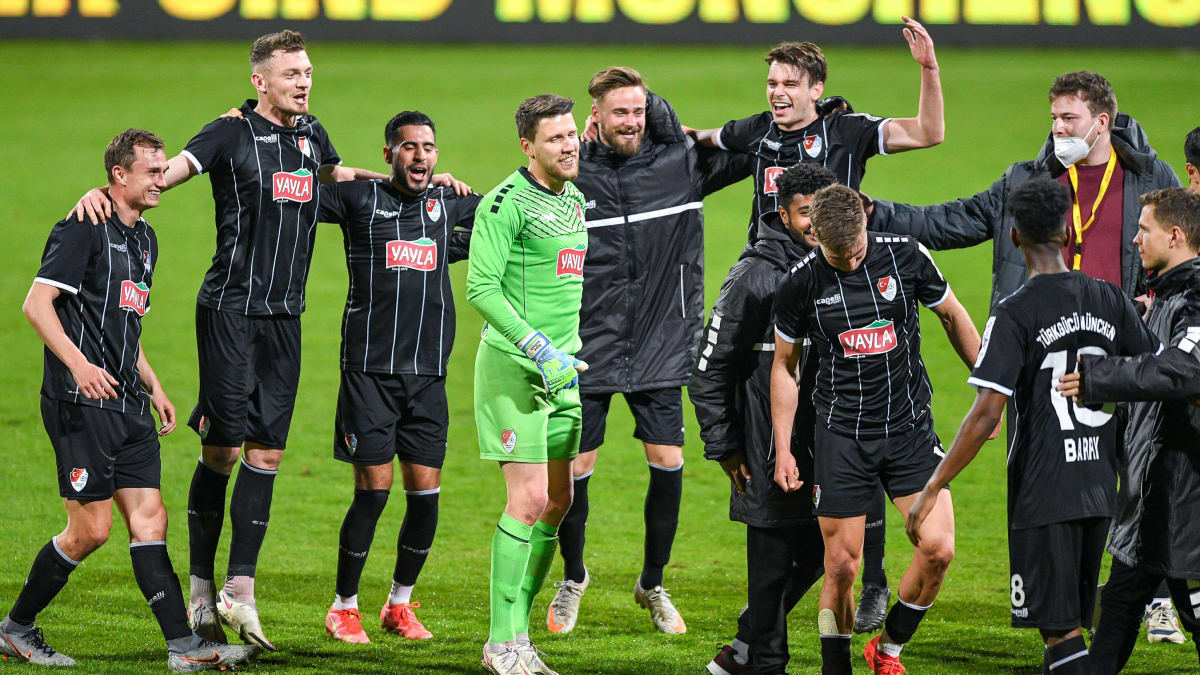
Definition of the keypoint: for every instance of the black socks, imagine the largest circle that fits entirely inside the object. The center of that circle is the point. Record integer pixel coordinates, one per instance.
(873, 540)
(416, 535)
(160, 586)
(1069, 657)
(249, 512)
(49, 573)
(571, 532)
(358, 530)
(206, 514)
(662, 517)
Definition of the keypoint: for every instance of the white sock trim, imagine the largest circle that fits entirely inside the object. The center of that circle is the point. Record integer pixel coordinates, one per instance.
(255, 469)
(140, 544)
(586, 475)
(417, 493)
(836, 635)
(1077, 655)
(666, 468)
(54, 540)
(212, 468)
(912, 606)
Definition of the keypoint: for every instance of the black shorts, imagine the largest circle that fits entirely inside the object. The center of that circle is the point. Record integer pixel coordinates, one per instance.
(1054, 572)
(657, 417)
(380, 417)
(249, 371)
(101, 451)
(847, 471)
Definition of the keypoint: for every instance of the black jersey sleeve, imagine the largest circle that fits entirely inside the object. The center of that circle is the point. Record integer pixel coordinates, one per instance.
(458, 246)
(1136, 337)
(216, 142)
(792, 302)
(862, 132)
(932, 288)
(1001, 354)
(320, 139)
(65, 259)
(743, 135)
(333, 207)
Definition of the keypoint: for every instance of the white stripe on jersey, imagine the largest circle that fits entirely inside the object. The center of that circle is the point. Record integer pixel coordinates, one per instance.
(370, 269)
(124, 330)
(912, 405)
(646, 215)
(278, 236)
(236, 236)
(821, 329)
(424, 291)
(871, 291)
(250, 263)
(103, 311)
(857, 362)
(441, 285)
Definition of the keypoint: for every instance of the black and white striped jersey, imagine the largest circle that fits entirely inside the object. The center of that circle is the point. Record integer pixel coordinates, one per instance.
(104, 274)
(1062, 461)
(264, 180)
(841, 142)
(864, 328)
(399, 316)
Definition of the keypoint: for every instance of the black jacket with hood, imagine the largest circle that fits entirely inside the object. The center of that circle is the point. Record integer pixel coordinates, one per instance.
(643, 281)
(731, 382)
(1157, 526)
(974, 220)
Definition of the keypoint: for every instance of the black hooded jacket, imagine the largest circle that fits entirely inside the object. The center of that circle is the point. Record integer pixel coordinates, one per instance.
(643, 283)
(731, 382)
(1157, 526)
(974, 220)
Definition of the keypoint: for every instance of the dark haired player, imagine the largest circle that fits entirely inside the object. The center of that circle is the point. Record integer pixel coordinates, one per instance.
(1062, 461)
(526, 280)
(400, 236)
(855, 298)
(264, 167)
(731, 390)
(87, 303)
(794, 130)
(1191, 152)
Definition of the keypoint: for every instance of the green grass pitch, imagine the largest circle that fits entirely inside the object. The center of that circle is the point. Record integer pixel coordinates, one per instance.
(66, 100)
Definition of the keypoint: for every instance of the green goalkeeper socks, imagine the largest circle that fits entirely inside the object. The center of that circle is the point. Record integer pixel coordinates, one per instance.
(542, 544)
(510, 557)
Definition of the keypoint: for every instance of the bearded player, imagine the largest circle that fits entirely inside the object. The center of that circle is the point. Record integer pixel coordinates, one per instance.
(526, 279)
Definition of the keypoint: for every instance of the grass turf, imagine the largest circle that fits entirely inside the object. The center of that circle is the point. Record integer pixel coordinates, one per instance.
(68, 99)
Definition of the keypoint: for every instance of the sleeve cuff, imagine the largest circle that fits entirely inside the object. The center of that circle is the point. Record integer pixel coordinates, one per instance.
(192, 158)
(986, 384)
(939, 300)
(882, 145)
(784, 336)
(717, 139)
(57, 284)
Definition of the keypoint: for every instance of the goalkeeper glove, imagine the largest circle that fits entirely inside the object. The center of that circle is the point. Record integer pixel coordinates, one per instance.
(559, 370)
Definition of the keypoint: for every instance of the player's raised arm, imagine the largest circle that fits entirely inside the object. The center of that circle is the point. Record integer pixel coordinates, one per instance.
(928, 128)
(96, 205)
(976, 427)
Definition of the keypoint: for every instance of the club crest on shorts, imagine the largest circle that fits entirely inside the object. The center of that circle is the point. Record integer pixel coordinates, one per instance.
(302, 143)
(770, 175)
(351, 443)
(816, 495)
(508, 440)
(813, 145)
(203, 427)
(433, 209)
(79, 478)
(887, 287)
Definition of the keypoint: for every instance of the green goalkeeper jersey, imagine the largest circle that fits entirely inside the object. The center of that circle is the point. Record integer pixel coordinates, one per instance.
(526, 266)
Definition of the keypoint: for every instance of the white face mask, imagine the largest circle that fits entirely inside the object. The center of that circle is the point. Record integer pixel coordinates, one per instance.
(1071, 149)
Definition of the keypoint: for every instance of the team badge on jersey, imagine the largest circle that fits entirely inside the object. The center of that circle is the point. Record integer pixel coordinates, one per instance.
(134, 296)
(816, 495)
(351, 443)
(579, 211)
(433, 209)
(79, 478)
(877, 338)
(887, 287)
(420, 255)
(771, 174)
(570, 261)
(813, 145)
(146, 259)
(508, 440)
(302, 143)
(296, 186)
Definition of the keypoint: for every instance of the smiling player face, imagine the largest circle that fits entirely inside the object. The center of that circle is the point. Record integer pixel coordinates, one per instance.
(284, 82)
(412, 158)
(621, 116)
(796, 219)
(555, 148)
(145, 179)
(790, 96)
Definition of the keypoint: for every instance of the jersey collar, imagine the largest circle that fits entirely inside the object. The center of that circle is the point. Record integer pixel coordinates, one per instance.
(534, 182)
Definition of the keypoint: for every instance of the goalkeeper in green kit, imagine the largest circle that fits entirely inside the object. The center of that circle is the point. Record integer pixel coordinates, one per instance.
(526, 279)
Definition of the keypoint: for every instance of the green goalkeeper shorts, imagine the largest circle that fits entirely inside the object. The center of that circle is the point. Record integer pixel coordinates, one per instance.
(516, 419)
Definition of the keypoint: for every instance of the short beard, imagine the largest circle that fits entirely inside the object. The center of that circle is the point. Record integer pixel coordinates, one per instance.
(614, 141)
(554, 172)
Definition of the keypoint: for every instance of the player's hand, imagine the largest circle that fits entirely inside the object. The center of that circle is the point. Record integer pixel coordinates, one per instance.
(689, 131)
(1070, 385)
(590, 130)
(831, 104)
(95, 382)
(735, 467)
(166, 411)
(559, 369)
(917, 515)
(996, 432)
(787, 475)
(446, 180)
(868, 204)
(1142, 303)
(94, 204)
(919, 43)
(234, 113)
